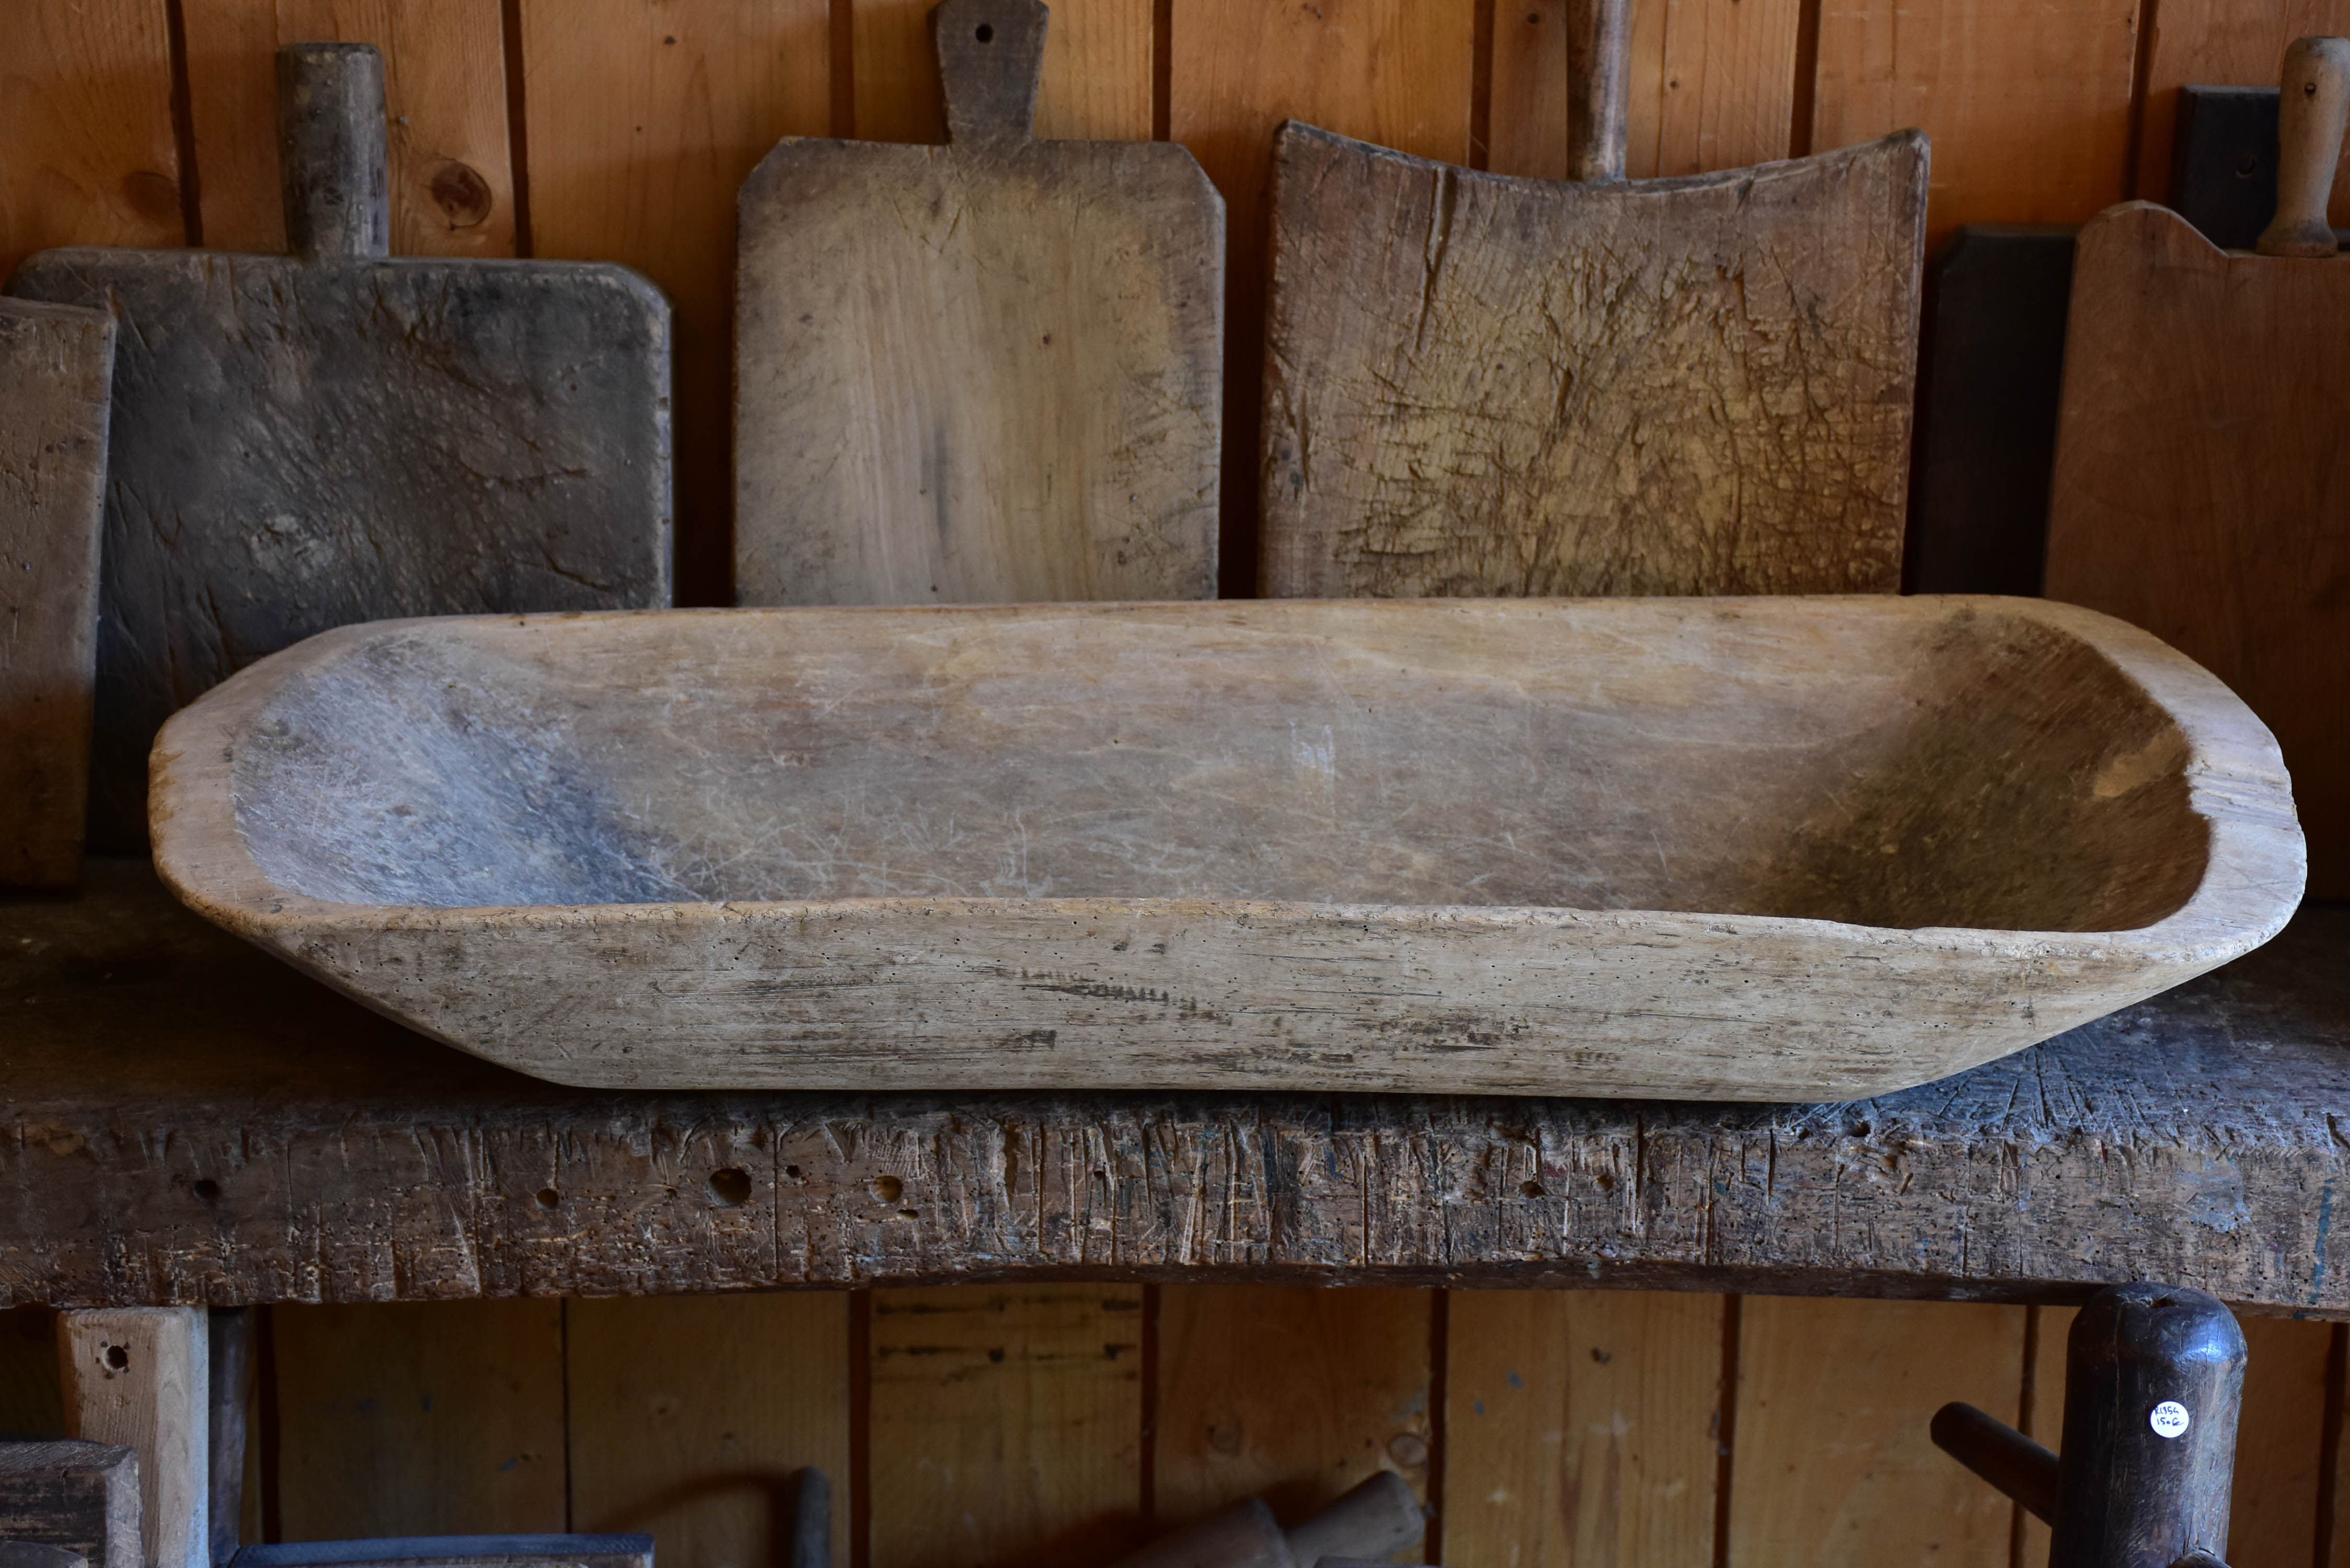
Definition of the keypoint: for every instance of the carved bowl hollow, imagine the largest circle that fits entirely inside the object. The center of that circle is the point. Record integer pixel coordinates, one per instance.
(1769, 849)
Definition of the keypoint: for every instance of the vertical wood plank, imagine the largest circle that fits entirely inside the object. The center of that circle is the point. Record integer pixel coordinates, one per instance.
(1529, 133)
(1006, 1425)
(140, 1377)
(1096, 84)
(2280, 1443)
(2043, 1416)
(420, 1418)
(32, 1401)
(2028, 102)
(87, 154)
(444, 89)
(1727, 93)
(1397, 72)
(689, 1417)
(2222, 43)
(1581, 1426)
(1833, 1464)
(641, 119)
(1291, 1392)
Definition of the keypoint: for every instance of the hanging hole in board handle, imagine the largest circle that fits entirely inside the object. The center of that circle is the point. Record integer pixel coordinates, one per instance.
(986, 33)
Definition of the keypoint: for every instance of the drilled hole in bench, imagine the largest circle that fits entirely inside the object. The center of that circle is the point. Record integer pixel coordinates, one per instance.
(117, 1358)
(888, 1189)
(731, 1187)
(549, 1198)
(205, 1187)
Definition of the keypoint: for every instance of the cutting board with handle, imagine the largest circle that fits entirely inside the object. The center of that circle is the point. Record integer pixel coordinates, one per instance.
(338, 435)
(2201, 489)
(1477, 384)
(986, 371)
(54, 363)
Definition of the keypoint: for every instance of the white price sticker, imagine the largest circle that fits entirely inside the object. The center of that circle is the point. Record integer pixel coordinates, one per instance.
(2170, 1419)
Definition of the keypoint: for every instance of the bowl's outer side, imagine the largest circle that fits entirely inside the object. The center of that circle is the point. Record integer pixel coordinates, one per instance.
(907, 993)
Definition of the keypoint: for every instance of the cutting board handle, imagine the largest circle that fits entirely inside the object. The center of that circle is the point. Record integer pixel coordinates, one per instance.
(1598, 87)
(2314, 107)
(331, 151)
(991, 56)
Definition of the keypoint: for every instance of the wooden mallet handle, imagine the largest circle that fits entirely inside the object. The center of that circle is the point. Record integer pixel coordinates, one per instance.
(1598, 88)
(2313, 107)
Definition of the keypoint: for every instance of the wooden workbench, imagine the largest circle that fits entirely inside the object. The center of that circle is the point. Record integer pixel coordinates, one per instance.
(188, 1120)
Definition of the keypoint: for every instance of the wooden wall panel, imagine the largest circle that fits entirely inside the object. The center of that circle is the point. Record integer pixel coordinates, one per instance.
(1096, 81)
(2222, 43)
(424, 1418)
(444, 87)
(691, 1415)
(2273, 1515)
(1291, 1392)
(1833, 1466)
(1395, 72)
(2043, 1416)
(1006, 1425)
(1581, 1427)
(87, 154)
(2028, 102)
(641, 119)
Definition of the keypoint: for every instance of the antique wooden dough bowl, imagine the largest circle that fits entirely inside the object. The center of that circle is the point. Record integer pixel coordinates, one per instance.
(1766, 848)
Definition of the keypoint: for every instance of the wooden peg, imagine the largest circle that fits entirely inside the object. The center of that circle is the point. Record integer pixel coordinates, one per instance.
(140, 1377)
(991, 60)
(331, 150)
(2313, 109)
(1598, 88)
(2000, 1455)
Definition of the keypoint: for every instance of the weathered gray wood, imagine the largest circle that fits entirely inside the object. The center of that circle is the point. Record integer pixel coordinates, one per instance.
(1244, 1535)
(1477, 384)
(229, 1369)
(983, 372)
(1779, 849)
(300, 443)
(54, 364)
(1376, 1519)
(455, 1551)
(811, 1520)
(319, 1152)
(141, 1376)
(330, 142)
(32, 1554)
(81, 1496)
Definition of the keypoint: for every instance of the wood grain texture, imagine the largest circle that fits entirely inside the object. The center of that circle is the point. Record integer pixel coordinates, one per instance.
(1405, 845)
(2234, 44)
(322, 1153)
(1581, 1426)
(1832, 1463)
(2028, 102)
(442, 1419)
(690, 1417)
(86, 155)
(2279, 1442)
(444, 82)
(985, 372)
(1293, 1395)
(1395, 72)
(2043, 1417)
(140, 1377)
(1006, 1424)
(1479, 385)
(2198, 491)
(82, 1497)
(299, 445)
(1095, 86)
(56, 364)
(643, 117)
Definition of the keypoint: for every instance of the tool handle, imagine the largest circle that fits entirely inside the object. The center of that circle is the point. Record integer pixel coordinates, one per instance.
(330, 150)
(2313, 109)
(1598, 88)
(991, 56)
(1378, 1519)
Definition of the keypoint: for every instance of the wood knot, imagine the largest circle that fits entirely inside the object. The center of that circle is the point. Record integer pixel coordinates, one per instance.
(464, 197)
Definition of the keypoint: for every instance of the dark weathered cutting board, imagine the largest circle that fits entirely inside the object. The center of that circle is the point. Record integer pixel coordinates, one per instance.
(303, 442)
(54, 365)
(1478, 384)
(2200, 485)
(982, 372)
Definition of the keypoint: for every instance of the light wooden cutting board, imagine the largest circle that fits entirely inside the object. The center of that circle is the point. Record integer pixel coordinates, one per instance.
(54, 364)
(302, 442)
(2202, 480)
(989, 371)
(1478, 384)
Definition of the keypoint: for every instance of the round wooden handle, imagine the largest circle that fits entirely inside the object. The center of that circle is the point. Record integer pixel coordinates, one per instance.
(2313, 109)
(331, 152)
(1598, 88)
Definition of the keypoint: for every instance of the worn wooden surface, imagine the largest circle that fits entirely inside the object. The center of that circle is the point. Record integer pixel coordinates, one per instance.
(2198, 491)
(1483, 385)
(142, 1378)
(2222, 43)
(1421, 846)
(988, 371)
(55, 365)
(302, 443)
(81, 1495)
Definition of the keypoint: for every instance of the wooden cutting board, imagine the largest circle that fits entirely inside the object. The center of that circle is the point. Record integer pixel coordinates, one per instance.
(983, 372)
(1478, 384)
(303, 442)
(55, 362)
(2200, 485)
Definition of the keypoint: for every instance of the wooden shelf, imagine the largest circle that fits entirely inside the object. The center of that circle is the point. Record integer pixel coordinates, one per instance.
(189, 1121)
